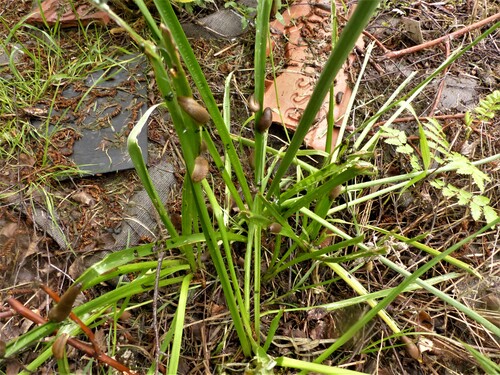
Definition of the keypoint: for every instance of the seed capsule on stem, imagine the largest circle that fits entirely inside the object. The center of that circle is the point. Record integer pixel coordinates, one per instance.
(203, 146)
(253, 105)
(194, 109)
(251, 159)
(275, 228)
(62, 310)
(335, 192)
(200, 170)
(338, 97)
(265, 120)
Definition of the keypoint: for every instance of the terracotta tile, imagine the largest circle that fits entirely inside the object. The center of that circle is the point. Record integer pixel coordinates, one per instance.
(308, 47)
(60, 11)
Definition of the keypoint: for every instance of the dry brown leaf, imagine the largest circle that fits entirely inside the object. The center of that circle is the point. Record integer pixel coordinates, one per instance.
(83, 198)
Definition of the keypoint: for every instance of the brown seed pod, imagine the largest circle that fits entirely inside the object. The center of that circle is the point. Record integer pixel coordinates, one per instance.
(3, 348)
(369, 266)
(251, 159)
(275, 228)
(62, 310)
(335, 192)
(411, 348)
(253, 105)
(59, 346)
(265, 120)
(492, 302)
(203, 146)
(338, 97)
(194, 109)
(200, 170)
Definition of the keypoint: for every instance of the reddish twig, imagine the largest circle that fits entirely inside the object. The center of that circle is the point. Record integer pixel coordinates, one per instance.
(24, 311)
(6, 314)
(75, 318)
(88, 349)
(369, 35)
(155, 312)
(377, 42)
(450, 36)
(441, 84)
(376, 66)
(408, 119)
(100, 357)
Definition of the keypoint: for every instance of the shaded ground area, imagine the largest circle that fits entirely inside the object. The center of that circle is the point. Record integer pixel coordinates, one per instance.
(54, 223)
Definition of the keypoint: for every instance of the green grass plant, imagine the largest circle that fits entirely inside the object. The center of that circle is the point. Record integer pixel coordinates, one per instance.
(39, 67)
(300, 203)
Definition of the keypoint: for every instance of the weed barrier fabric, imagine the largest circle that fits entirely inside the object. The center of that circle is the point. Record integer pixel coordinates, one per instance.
(116, 98)
(225, 23)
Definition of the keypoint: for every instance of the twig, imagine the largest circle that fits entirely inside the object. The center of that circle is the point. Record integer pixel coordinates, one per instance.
(6, 314)
(28, 314)
(408, 119)
(450, 37)
(155, 312)
(376, 66)
(377, 42)
(369, 35)
(24, 311)
(75, 318)
(441, 84)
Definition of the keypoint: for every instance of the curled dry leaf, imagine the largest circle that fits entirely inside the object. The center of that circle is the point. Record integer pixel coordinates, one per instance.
(251, 159)
(335, 192)
(203, 146)
(369, 266)
(83, 198)
(492, 309)
(492, 302)
(59, 346)
(425, 345)
(424, 321)
(411, 348)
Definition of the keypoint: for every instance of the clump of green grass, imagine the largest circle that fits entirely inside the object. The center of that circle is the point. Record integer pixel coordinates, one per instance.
(295, 211)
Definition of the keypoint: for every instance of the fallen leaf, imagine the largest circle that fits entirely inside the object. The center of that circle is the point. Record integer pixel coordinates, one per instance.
(83, 198)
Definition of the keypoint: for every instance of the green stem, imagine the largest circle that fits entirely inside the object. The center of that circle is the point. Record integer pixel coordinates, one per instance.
(345, 44)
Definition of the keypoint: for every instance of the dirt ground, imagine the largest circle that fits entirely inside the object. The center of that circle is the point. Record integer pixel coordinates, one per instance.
(90, 209)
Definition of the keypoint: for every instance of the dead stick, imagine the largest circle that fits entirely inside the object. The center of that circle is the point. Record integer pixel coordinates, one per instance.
(34, 317)
(24, 311)
(377, 42)
(155, 312)
(100, 357)
(75, 318)
(451, 36)
(408, 119)
(369, 35)
(439, 93)
(6, 314)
